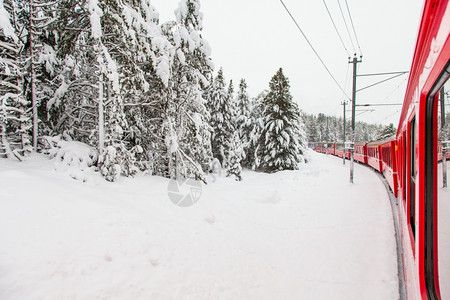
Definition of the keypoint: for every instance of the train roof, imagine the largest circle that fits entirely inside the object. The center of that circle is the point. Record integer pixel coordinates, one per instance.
(381, 142)
(431, 38)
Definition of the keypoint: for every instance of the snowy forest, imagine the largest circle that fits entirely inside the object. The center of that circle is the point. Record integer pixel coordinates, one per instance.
(105, 83)
(322, 128)
(134, 94)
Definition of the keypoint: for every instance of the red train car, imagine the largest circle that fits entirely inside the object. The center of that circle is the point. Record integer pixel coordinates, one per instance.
(420, 197)
(389, 164)
(319, 147)
(331, 149)
(373, 155)
(340, 150)
(360, 154)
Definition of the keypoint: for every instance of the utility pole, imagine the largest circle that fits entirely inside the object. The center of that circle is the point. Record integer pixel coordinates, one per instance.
(445, 143)
(355, 61)
(345, 124)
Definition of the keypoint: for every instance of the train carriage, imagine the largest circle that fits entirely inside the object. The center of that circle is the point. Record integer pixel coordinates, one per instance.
(340, 150)
(373, 156)
(360, 154)
(319, 147)
(331, 148)
(420, 198)
(389, 164)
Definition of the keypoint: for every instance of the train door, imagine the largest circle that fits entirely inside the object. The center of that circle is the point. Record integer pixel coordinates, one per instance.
(412, 175)
(437, 197)
(404, 167)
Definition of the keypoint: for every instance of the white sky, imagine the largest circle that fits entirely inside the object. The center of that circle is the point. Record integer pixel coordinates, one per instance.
(251, 39)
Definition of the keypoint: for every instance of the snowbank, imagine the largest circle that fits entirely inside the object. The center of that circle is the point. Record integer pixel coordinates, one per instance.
(304, 234)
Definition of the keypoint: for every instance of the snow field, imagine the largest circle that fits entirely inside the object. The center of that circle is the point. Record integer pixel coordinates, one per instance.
(306, 234)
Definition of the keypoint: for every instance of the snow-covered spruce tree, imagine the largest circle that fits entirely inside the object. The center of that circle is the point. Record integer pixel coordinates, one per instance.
(234, 146)
(231, 116)
(253, 150)
(42, 58)
(145, 86)
(386, 132)
(88, 99)
(129, 28)
(221, 112)
(14, 118)
(73, 109)
(244, 121)
(185, 127)
(283, 139)
(311, 129)
(235, 156)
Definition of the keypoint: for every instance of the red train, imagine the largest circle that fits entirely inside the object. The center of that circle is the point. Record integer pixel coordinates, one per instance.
(412, 162)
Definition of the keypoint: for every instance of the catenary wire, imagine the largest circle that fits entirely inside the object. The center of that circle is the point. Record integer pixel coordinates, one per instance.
(335, 28)
(346, 26)
(397, 111)
(314, 50)
(353, 26)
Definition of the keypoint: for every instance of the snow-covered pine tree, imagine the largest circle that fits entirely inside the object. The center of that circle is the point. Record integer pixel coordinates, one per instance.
(386, 132)
(253, 151)
(145, 85)
(244, 121)
(230, 115)
(14, 118)
(127, 28)
(220, 110)
(234, 147)
(186, 130)
(235, 156)
(311, 129)
(41, 15)
(283, 139)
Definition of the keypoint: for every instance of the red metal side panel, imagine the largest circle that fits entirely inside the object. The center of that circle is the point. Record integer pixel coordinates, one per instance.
(431, 55)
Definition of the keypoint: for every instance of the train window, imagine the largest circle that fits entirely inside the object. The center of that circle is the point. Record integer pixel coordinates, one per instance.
(412, 174)
(443, 193)
(437, 197)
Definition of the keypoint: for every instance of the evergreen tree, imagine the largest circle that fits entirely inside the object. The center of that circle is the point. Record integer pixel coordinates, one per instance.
(15, 121)
(234, 144)
(311, 129)
(220, 111)
(254, 149)
(243, 121)
(185, 126)
(282, 139)
(386, 132)
(235, 155)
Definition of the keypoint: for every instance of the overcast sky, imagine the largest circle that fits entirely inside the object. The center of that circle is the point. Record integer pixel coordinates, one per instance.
(251, 39)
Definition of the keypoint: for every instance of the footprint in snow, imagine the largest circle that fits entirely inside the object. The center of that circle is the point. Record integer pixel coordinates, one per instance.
(211, 219)
(108, 257)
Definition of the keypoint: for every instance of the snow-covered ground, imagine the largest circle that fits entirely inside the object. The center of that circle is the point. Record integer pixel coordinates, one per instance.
(306, 234)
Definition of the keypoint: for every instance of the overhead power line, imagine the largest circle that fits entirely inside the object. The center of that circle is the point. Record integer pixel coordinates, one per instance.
(385, 73)
(314, 50)
(346, 26)
(381, 104)
(396, 112)
(353, 26)
(335, 28)
(377, 83)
